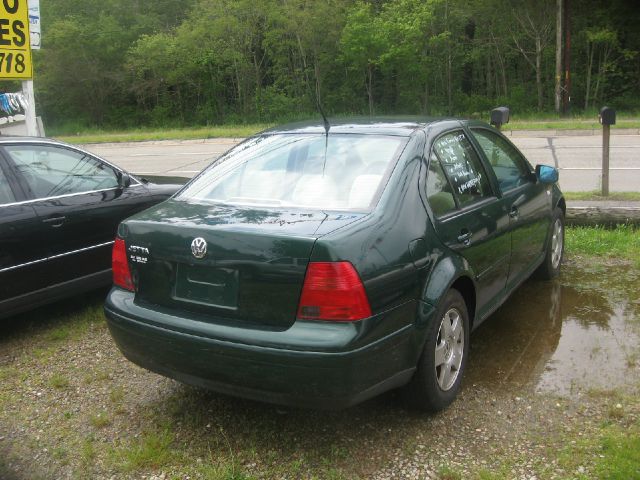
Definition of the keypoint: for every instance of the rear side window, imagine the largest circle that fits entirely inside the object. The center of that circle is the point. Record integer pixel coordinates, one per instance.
(305, 170)
(53, 171)
(6, 194)
(462, 167)
(507, 163)
(439, 192)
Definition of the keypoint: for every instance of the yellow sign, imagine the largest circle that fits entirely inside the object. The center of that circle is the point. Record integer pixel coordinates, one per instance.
(15, 49)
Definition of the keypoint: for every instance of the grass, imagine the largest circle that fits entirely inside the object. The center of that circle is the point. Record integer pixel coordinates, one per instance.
(149, 134)
(149, 451)
(597, 195)
(622, 242)
(570, 124)
(59, 381)
(620, 454)
(100, 420)
(81, 135)
(612, 454)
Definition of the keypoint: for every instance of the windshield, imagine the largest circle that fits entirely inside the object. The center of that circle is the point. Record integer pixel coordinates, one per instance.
(310, 170)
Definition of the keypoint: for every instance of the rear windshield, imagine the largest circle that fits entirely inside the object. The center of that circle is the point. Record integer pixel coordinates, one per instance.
(305, 170)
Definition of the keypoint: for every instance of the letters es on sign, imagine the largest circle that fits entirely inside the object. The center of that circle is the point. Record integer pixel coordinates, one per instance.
(15, 51)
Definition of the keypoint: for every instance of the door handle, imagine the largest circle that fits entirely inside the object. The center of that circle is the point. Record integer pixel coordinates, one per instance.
(514, 212)
(55, 222)
(465, 237)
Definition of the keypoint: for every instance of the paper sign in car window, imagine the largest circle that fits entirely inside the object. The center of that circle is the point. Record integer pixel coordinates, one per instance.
(15, 50)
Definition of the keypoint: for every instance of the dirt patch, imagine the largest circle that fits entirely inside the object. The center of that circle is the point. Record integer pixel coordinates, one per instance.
(548, 372)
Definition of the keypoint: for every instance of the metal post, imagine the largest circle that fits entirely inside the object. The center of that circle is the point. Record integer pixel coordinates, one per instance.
(605, 159)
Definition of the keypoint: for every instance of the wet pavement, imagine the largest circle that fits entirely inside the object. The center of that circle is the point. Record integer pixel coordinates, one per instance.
(577, 333)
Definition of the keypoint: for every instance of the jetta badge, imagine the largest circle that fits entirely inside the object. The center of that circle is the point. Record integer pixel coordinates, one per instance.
(199, 247)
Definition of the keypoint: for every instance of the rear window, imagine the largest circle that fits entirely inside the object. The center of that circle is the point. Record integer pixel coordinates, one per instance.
(338, 172)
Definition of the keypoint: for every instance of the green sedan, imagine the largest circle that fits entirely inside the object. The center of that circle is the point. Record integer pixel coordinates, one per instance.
(318, 266)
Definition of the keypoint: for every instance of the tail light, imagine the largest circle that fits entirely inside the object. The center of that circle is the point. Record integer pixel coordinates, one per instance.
(333, 291)
(120, 266)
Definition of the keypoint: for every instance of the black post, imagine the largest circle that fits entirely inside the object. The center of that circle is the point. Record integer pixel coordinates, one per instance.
(607, 118)
(605, 159)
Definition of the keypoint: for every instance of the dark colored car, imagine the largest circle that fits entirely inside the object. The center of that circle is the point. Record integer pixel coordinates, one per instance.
(59, 211)
(320, 269)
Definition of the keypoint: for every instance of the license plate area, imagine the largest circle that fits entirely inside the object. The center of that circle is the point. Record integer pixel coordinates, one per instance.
(204, 285)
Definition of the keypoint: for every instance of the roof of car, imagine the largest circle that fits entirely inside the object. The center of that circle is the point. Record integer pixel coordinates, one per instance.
(399, 126)
(18, 139)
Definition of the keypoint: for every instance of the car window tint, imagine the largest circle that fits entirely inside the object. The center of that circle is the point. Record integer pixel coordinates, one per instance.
(439, 192)
(507, 163)
(6, 194)
(339, 172)
(52, 171)
(463, 167)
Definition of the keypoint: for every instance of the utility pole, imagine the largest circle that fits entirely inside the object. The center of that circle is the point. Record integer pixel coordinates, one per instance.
(566, 92)
(27, 85)
(30, 112)
(558, 90)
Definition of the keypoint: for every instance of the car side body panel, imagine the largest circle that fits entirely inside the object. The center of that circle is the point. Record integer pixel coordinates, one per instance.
(60, 245)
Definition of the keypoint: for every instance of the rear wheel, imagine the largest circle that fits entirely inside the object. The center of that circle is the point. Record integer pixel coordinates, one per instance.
(550, 267)
(439, 374)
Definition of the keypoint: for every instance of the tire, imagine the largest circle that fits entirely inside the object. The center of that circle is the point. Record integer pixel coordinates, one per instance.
(437, 381)
(550, 267)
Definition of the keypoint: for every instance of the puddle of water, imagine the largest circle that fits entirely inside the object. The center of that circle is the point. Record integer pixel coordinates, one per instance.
(576, 333)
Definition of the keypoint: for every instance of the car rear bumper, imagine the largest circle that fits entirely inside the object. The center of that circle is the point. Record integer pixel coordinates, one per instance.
(312, 364)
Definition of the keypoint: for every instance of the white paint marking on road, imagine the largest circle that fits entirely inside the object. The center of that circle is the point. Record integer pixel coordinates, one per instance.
(546, 147)
(167, 171)
(171, 154)
(598, 168)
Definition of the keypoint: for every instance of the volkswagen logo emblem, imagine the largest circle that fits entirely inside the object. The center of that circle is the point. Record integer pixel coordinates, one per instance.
(199, 247)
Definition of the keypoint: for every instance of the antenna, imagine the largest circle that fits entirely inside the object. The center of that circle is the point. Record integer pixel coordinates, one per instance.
(327, 126)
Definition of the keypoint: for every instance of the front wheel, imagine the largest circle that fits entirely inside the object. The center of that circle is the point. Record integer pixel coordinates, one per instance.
(550, 267)
(438, 377)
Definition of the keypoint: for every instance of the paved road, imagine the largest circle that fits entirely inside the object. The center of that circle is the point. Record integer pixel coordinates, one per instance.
(579, 157)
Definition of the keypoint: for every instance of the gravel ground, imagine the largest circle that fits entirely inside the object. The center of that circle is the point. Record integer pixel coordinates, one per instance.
(73, 407)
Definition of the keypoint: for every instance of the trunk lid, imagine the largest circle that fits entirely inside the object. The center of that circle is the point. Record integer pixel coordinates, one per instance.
(254, 265)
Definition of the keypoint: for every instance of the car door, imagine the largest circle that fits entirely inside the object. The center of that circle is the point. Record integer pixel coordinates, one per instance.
(22, 253)
(79, 203)
(527, 200)
(468, 216)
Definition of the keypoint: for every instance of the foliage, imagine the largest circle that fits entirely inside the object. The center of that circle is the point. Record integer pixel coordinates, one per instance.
(623, 242)
(114, 63)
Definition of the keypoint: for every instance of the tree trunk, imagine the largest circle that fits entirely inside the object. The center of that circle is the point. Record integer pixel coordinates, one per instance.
(489, 77)
(539, 71)
(589, 67)
(316, 72)
(558, 89)
(425, 108)
(597, 87)
(370, 88)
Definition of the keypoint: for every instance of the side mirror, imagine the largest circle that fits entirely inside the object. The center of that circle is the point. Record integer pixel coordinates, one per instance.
(547, 174)
(124, 180)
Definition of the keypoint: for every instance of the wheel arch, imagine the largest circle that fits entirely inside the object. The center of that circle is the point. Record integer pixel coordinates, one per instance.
(451, 272)
(467, 289)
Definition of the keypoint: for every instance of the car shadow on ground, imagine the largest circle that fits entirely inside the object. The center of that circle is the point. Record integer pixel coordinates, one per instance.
(49, 316)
